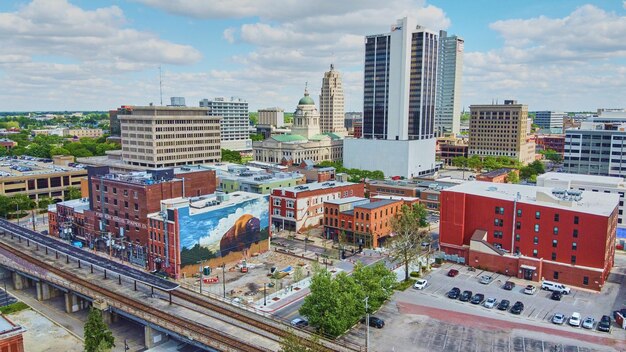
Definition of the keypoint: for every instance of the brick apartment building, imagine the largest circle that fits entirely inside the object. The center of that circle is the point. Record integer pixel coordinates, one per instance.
(555, 142)
(426, 190)
(11, 339)
(120, 203)
(532, 233)
(496, 176)
(300, 207)
(366, 222)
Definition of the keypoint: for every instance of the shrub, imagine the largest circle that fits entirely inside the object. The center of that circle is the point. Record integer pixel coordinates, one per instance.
(438, 260)
(414, 274)
(403, 285)
(13, 308)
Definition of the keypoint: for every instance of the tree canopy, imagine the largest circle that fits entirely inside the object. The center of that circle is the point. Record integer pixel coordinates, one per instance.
(355, 175)
(405, 246)
(231, 156)
(96, 332)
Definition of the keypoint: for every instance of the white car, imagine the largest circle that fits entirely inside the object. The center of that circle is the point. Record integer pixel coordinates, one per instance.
(589, 322)
(530, 290)
(420, 284)
(486, 279)
(490, 302)
(574, 320)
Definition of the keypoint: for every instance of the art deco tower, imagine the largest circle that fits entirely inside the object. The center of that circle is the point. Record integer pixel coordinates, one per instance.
(331, 103)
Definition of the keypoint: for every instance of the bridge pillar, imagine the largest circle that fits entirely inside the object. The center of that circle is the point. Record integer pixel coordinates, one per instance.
(44, 291)
(72, 303)
(153, 337)
(19, 281)
(107, 317)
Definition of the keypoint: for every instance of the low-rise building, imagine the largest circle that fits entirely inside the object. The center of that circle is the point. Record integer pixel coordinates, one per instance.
(11, 339)
(235, 177)
(312, 172)
(300, 207)
(38, 177)
(496, 176)
(427, 191)
(7, 144)
(554, 142)
(449, 148)
(532, 233)
(209, 230)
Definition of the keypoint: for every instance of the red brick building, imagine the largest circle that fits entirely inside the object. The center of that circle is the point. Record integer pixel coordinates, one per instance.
(496, 176)
(533, 233)
(11, 339)
(358, 128)
(555, 142)
(299, 207)
(448, 148)
(7, 144)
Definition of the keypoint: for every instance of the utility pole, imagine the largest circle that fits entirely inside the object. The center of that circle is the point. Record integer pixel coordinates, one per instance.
(367, 324)
(201, 273)
(224, 278)
(33, 219)
(264, 293)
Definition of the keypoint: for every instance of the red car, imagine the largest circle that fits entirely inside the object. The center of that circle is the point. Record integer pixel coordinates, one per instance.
(453, 272)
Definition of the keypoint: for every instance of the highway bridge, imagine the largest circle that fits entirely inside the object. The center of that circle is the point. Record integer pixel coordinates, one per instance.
(160, 305)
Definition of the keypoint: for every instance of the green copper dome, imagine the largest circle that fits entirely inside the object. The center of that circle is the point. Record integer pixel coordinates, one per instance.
(306, 99)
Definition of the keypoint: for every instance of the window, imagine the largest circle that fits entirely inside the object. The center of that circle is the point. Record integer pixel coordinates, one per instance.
(518, 225)
(585, 280)
(555, 230)
(575, 233)
(498, 222)
(576, 220)
(125, 193)
(325, 210)
(537, 215)
(277, 202)
(289, 214)
(499, 210)
(574, 246)
(573, 260)
(554, 243)
(114, 190)
(497, 234)
(517, 237)
(536, 240)
(534, 252)
(553, 256)
(290, 204)
(536, 227)
(519, 212)
(556, 217)
(125, 204)
(136, 206)
(555, 275)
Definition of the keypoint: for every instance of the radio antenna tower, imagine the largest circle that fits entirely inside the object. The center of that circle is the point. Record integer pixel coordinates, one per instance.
(160, 85)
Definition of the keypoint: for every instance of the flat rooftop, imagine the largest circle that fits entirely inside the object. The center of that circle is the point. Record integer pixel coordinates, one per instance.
(344, 200)
(315, 186)
(31, 166)
(377, 204)
(404, 199)
(587, 202)
(496, 172)
(79, 205)
(208, 203)
(606, 181)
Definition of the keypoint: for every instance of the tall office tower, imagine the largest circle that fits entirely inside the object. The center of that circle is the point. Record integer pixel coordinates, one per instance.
(501, 130)
(450, 70)
(550, 119)
(235, 121)
(331, 103)
(177, 101)
(400, 80)
(159, 136)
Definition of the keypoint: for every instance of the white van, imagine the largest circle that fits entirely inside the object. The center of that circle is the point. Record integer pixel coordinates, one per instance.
(555, 287)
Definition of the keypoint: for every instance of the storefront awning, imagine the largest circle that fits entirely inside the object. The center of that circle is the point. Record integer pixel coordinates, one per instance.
(529, 267)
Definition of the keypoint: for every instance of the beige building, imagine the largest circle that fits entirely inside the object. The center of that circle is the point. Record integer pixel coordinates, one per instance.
(501, 130)
(272, 117)
(332, 104)
(84, 132)
(305, 142)
(38, 179)
(159, 136)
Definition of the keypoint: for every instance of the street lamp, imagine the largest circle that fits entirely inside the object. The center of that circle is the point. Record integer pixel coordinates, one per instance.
(367, 324)
(264, 293)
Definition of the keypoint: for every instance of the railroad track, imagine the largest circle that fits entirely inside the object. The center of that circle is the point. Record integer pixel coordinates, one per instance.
(209, 334)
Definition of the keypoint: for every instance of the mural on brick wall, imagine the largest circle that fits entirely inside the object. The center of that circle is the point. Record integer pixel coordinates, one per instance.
(224, 230)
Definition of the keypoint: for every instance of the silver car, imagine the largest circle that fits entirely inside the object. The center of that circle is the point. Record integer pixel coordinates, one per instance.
(589, 322)
(486, 279)
(558, 318)
(490, 302)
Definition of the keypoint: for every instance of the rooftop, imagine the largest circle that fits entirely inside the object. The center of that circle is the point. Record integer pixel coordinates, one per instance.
(206, 203)
(582, 201)
(344, 200)
(497, 172)
(315, 186)
(78, 205)
(31, 166)
(250, 174)
(288, 138)
(404, 199)
(377, 204)
(8, 328)
(607, 181)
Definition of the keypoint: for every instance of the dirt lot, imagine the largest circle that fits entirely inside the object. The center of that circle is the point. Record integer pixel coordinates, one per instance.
(249, 286)
(42, 335)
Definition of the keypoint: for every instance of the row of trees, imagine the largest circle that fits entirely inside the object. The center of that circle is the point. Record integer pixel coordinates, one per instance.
(231, 156)
(528, 172)
(20, 203)
(336, 303)
(356, 175)
(48, 146)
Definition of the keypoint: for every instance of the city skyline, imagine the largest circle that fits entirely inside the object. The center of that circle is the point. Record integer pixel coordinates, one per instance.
(95, 55)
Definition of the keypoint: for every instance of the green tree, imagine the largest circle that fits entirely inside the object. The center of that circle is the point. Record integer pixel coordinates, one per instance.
(59, 151)
(552, 155)
(537, 167)
(254, 118)
(96, 332)
(376, 281)
(44, 202)
(298, 274)
(405, 247)
(474, 162)
(231, 156)
(72, 193)
(5, 206)
(459, 161)
(257, 137)
(294, 343)
(490, 163)
(512, 177)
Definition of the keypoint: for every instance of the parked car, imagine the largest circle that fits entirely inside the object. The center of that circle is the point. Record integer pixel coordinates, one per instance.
(454, 293)
(621, 311)
(453, 272)
(517, 308)
(589, 322)
(556, 296)
(420, 284)
(486, 279)
(375, 322)
(465, 296)
(509, 285)
(575, 319)
(530, 290)
(490, 302)
(558, 318)
(555, 287)
(299, 323)
(504, 304)
(605, 324)
(478, 298)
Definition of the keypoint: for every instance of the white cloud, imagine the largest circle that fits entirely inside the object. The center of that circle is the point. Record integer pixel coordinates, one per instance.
(61, 52)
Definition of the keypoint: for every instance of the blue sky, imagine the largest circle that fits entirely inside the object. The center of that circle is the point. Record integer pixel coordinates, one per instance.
(91, 54)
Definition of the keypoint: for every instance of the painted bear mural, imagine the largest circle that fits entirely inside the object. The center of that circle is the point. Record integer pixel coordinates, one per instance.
(245, 231)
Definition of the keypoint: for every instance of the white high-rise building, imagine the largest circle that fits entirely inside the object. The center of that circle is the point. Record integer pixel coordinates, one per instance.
(235, 123)
(400, 88)
(332, 104)
(450, 70)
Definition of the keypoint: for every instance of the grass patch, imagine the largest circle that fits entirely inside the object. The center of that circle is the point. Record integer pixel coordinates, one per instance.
(403, 285)
(14, 308)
